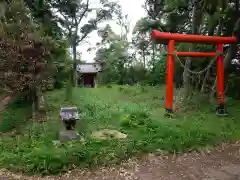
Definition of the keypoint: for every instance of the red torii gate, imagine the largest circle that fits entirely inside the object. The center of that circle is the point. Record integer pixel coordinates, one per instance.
(175, 37)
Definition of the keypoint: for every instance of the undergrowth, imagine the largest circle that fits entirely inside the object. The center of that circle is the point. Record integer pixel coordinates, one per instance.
(136, 111)
(16, 115)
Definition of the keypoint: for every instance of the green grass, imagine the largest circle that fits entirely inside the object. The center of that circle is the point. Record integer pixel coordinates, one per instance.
(137, 111)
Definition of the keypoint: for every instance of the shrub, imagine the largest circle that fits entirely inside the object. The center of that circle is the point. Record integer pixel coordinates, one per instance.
(15, 115)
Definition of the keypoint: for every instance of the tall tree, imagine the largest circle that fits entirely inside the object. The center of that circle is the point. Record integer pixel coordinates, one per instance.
(113, 54)
(46, 21)
(141, 38)
(41, 12)
(26, 64)
(73, 14)
(197, 14)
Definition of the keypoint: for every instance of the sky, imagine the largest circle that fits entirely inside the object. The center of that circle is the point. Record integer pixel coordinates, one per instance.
(134, 10)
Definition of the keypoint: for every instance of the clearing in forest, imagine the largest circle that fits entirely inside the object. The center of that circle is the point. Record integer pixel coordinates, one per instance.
(135, 113)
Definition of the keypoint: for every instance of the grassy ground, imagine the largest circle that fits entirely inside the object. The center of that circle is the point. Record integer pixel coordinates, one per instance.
(136, 111)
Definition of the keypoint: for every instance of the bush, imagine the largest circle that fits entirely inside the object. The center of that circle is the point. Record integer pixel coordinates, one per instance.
(15, 115)
(109, 86)
(135, 119)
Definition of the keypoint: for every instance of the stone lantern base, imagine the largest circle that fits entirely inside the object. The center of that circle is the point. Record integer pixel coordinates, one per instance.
(69, 135)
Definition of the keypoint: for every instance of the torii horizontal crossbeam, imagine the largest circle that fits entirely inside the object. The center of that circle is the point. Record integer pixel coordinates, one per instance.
(190, 38)
(197, 54)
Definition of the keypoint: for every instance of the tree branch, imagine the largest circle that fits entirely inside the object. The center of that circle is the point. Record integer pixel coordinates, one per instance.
(82, 38)
(86, 34)
(83, 13)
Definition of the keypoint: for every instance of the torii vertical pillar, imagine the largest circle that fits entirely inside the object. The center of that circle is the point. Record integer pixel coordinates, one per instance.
(170, 76)
(220, 79)
(174, 37)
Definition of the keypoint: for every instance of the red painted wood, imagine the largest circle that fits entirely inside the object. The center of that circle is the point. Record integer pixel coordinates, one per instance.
(158, 35)
(197, 54)
(220, 75)
(169, 77)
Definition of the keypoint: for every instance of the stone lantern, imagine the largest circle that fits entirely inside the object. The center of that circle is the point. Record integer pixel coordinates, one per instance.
(69, 117)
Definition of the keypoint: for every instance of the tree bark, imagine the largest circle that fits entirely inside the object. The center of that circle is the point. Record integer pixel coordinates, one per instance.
(74, 46)
(211, 33)
(233, 47)
(74, 75)
(227, 60)
(153, 50)
(144, 58)
(196, 21)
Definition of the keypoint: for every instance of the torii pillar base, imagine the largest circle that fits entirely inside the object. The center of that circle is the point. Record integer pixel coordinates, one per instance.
(221, 110)
(168, 113)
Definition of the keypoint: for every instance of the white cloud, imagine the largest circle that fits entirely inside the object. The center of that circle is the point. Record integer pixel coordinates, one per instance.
(132, 8)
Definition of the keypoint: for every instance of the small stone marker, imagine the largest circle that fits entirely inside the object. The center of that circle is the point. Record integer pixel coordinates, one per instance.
(69, 116)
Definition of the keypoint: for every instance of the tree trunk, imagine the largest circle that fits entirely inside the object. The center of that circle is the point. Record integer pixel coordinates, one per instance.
(227, 60)
(211, 33)
(153, 50)
(186, 78)
(144, 58)
(232, 50)
(196, 21)
(34, 97)
(74, 73)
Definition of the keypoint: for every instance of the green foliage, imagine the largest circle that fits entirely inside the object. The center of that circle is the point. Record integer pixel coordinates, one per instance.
(134, 119)
(134, 112)
(47, 23)
(25, 57)
(16, 115)
(159, 71)
(113, 54)
(72, 17)
(43, 16)
(34, 59)
(62, 63)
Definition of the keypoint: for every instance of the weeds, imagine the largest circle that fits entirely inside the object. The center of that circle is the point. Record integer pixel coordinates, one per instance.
(129, 109)
(15, 115)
